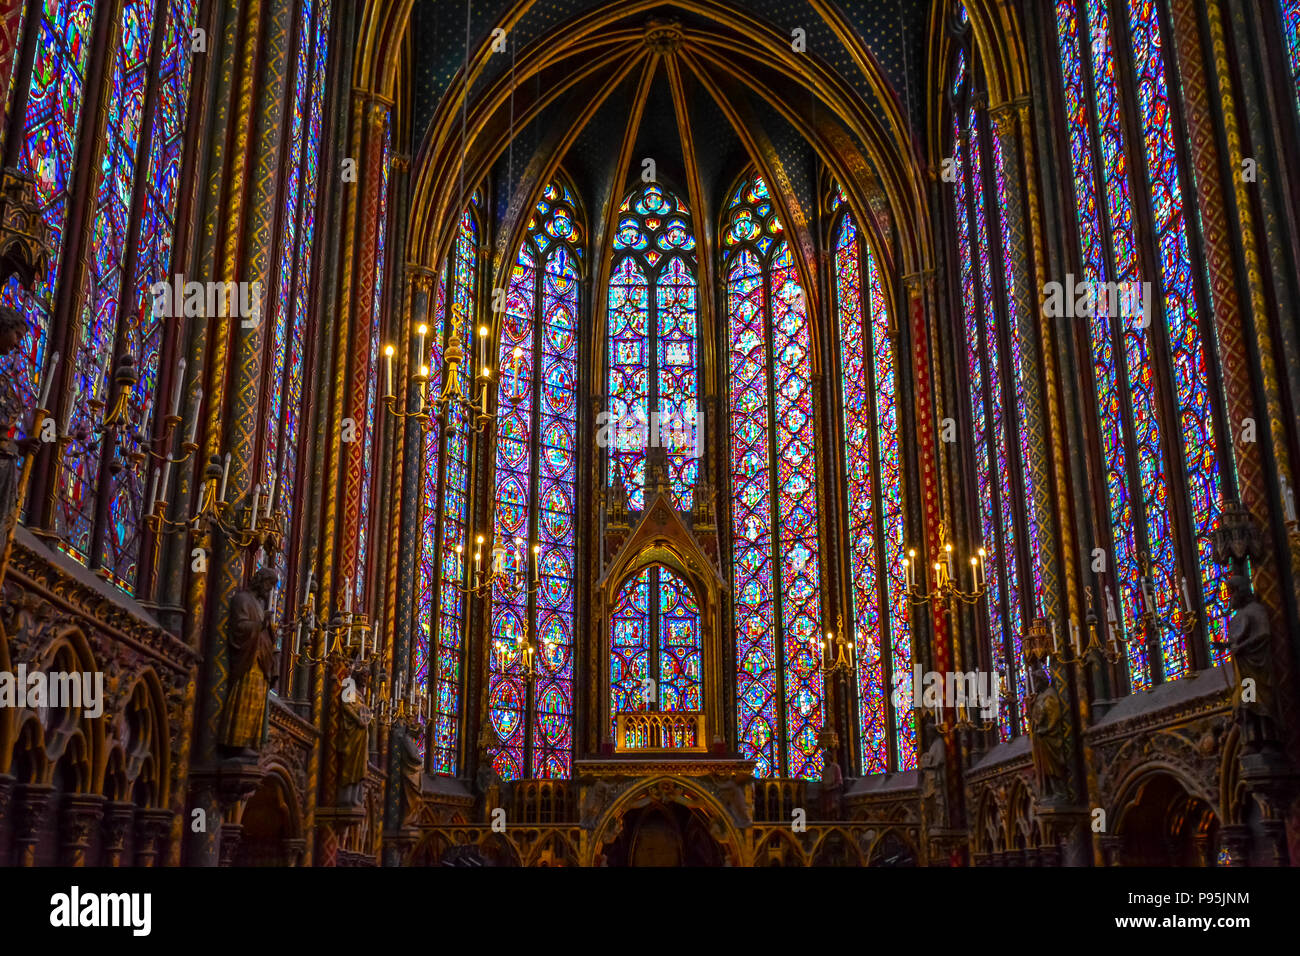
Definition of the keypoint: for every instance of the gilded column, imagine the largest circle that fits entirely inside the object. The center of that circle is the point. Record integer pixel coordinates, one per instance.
(420, 283)
(1256, 326)
(224, 201)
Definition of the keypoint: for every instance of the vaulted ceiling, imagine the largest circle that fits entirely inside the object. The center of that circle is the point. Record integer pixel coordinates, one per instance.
(705, 88)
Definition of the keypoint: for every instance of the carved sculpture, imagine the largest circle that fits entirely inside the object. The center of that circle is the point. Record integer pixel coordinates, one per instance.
(832, 776)
(934, 784)
(252, 667)
(1254, 699)
(1048, 719)
(412, 770)
(354, 742)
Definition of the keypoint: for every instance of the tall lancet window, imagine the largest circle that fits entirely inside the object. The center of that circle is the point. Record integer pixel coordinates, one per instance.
(775, 520)
(290, 305)
(535, 481)
(654, 658)
(441, 628)
(869, 395)
(652, 343)
(130, 197)
(1153, 349)
(997, 386)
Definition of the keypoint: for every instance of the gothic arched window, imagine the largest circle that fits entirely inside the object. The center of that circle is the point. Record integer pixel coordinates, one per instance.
(444, 546)
(536, 483)
(655, 635)
(289, 301)
(869, 375)
(652, 341)
(996, 382)
(775, 521)
(1153, 347)
(131, 209)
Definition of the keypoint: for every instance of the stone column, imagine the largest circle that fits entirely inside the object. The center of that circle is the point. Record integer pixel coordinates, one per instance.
(78, 818)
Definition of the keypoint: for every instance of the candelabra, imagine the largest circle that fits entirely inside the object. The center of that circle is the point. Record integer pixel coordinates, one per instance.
(1075, 652)
(246, 522)
(506, 574)
(946, 588)
(839, 656)
(1153, 621)
(453, 396)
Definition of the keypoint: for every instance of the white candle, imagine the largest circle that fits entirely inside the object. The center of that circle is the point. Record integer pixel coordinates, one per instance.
(270, 497)
(907, 573)
(482, 347)
(419, 348)
(194, 418)
(225, 474)
(166, 478)
(388, 370)
(176, 391)
(537, 562)
(1074, 636)
(1187, 598)
(363, 645)
(1055, 637)
(47, 381)
(948, 551)
(76, 397)
(306, 592)
(153, 491)
(983, 571)
(347, 595)
(257, 495)
(1110, 607)
(1288, 500)
(297, 637)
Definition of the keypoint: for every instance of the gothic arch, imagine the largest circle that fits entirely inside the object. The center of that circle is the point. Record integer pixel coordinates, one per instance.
(662, 538)
(664, 789)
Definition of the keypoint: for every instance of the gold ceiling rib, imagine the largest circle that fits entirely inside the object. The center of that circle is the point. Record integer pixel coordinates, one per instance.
(886, 153)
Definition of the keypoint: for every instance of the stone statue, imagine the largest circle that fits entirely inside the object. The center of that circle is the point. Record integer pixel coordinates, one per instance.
(411, 765)
(1254, 699)
(934, 783)
(489, 781)
(1048, 724)
(13, 326)
(354, 737)
(252, 667)
(832, 776)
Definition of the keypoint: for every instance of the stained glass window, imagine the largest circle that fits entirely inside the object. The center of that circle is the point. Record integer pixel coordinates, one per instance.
(117, 313)
(447, 471)
(775, 520)
(1138, 442)
(873, 471)
(996, 377)
(290, 299)
(652, 345)
(51, 131)
(536, 477)
(654, 658)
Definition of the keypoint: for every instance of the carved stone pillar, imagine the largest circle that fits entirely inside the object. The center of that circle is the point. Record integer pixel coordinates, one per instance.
(78, 818)
(118, 816)
(31, 807)
(1112, 849)
(151, 827)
